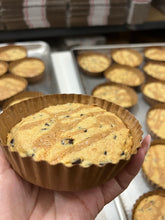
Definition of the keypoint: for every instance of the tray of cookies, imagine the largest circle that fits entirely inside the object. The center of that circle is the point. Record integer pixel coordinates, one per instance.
(132, 76)
(26, 71)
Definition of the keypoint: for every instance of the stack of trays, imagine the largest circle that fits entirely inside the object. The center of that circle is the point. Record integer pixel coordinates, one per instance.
(32, 14)
(94, 13)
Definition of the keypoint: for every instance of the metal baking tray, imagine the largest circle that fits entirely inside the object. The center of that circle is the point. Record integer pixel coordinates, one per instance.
(40, 49)
(138, 186)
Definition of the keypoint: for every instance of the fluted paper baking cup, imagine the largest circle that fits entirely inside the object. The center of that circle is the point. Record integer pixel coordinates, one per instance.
(146, 173)
(149, 129)
(58, 176)
(144, 196)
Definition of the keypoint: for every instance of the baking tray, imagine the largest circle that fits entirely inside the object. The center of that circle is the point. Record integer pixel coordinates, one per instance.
(40, 49)
(138, 186)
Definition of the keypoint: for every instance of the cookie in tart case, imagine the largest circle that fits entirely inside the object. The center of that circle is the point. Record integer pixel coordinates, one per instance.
(156, 53)
(119, 94)
(127, 56)
(155, 121)
(123, 74)
(72, 126)
(93, 63)
(154, 164)
(11, 53)
(150, 205)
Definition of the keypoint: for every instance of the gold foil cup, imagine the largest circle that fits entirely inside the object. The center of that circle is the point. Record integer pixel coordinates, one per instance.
(30, 78)
(149, 100)
(149, 129)
(59, 177)
(131, 92)
(91, 53)
(147, 178)
(145, 195)
(21, 97)
(130, 83)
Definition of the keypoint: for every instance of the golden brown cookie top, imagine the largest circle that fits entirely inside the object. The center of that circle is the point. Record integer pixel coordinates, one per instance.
(11, 85)
(155, 53)
(150, 206)
(93, 62)
(125, 75)
(12, 53)
(154, 165)
(72, 133)
(126, 56)
(155, 70)
(118, 94)
(3, 67)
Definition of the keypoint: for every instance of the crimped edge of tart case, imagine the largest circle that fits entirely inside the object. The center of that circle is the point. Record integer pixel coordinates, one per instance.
(150, 131)
(90, 73)
(150, 77)
(22, 95)
(152, 183)
(131, 91)
(149, 100)
(16, 77)
(30, 79)
(5, 64)
(138, 72)
(137, 53)
(59, 177)
(145, 195)
(150, 59)
(8, 47)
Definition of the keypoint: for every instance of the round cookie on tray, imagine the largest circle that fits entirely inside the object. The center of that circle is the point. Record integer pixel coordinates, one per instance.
(93, 63)
(21, 97)
(150, 205)
(155, 121)
(73, 136)
(155, 53)
(155, 70)
(12, 52)
(11, 85)
(126, 56)
(154, 92)
(3, 67)
(124, 74)
(154, 164)
(30, 68)
(119, 94)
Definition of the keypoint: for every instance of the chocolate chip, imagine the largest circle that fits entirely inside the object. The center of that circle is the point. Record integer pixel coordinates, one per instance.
(102, 164)
(67, 141)
(67, 116)
(46, 124)
(81, 114)
(78, 161)
(114, 137)
(85, 130)
(33, 155)
(12, 142)
(122, 154)
(105, 152)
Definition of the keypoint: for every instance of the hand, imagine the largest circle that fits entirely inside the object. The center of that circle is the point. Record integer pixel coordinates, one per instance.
(20, 200)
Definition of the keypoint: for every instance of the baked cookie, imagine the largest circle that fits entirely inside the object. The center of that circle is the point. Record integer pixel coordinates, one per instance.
(3, 67)
(155, 53)
(156, 70)
(93, 63)
(126, 56)
(126, 75)
(12, 52)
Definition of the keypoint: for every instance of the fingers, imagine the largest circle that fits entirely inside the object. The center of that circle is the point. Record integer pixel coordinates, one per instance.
(133, 167)
(117, 185)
